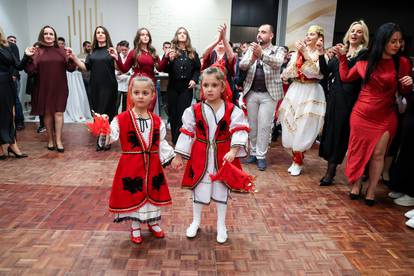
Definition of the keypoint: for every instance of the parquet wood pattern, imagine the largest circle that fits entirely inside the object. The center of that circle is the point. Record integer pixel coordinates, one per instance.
(54, 221)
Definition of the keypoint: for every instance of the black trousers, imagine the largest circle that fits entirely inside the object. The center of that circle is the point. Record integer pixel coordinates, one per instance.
(122, 98)
(178, 101)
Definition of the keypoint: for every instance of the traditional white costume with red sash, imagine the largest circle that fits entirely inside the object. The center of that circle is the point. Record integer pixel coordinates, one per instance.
(302, 111)
(206, 136)
(139, 185)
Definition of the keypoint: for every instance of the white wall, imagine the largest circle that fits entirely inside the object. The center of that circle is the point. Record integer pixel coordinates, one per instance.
(303, 13)
(13, 20)
(200, 18)
(119, 17)
(25, 18)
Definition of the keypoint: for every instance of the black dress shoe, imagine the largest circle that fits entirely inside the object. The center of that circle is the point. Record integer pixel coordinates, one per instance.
(11, 151)
(20, 127)
(369, 202)
(107, 147)
(3, 157)
(62, 149)
(326, 182)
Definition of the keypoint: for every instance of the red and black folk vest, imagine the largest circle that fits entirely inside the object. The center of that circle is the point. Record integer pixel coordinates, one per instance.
(139, 177)
(301, 77)
(197, 164)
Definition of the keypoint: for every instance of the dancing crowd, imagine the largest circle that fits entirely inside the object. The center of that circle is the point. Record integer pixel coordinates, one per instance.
(354, 98)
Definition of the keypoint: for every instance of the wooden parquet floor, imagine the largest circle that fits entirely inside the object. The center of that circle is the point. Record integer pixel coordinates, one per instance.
(54, 221)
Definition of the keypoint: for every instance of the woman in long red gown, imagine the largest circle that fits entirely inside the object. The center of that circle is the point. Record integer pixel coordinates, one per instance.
(373, 119)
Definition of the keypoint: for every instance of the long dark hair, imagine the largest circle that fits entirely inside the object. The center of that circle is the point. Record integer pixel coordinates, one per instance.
(188, 47)
(138, 43)
(41, 38)
(95, 44)
(377, 48)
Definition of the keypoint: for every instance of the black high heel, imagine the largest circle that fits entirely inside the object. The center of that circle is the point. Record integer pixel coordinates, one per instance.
(52, 148)
(355, 196)
(10, 150)
(326, 181)
(370, 202)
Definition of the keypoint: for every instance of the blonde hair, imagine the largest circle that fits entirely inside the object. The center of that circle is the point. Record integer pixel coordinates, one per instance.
(142, 79)
(3, 39)
(365, 32)
(213, 71)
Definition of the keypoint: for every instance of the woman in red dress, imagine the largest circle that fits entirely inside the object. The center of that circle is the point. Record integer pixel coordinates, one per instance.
(373, 119)
(143, 58)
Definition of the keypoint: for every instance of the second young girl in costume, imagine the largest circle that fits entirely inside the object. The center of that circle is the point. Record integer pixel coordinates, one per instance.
(214, 131)
(139, 187)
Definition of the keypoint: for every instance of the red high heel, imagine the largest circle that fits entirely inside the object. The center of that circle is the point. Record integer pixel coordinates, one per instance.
(156, 234)
(136, 240)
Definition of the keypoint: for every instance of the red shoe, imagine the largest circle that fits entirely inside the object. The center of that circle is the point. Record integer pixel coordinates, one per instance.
(156, 234)
(136, 240)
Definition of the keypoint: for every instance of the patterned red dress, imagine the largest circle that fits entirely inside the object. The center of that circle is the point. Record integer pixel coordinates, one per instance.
(374, 112)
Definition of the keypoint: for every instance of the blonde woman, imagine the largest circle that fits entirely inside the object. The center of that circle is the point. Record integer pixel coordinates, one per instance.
(340, 101)
(303, 109)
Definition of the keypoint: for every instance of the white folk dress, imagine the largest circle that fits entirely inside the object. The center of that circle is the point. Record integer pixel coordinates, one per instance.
(302, 111)
(206, 189)
(148, 212)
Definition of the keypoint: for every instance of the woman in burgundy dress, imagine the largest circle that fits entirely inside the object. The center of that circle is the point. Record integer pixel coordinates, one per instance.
(50, 95)
(143, 58)
(373, 119)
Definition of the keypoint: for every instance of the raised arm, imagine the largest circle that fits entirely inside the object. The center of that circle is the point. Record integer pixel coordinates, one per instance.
(247, 60)
(76, 61)
(227, 47)
(274, 59)
(129, 62)
(348, 75)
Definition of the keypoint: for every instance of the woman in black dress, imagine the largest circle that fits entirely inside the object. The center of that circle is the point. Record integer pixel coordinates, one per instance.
(183, 72)
(103, 87)
(340, 101)
(8, 97)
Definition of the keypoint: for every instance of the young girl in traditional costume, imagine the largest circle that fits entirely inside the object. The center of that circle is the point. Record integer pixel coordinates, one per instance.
(214, 132)
(139, 187)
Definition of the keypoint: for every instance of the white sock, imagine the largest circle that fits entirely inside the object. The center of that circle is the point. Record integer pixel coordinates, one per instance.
(197, 209)
(221, 215)
(156, 227)
(136, 225)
